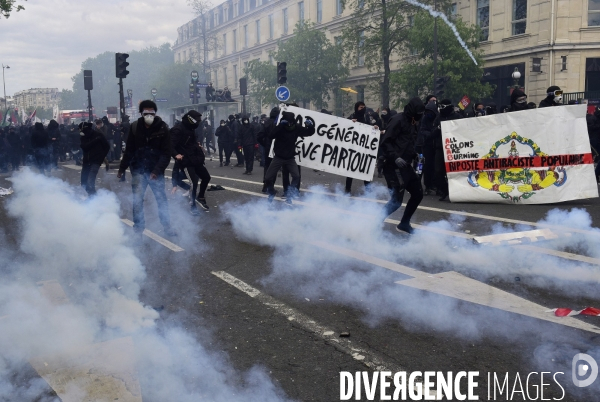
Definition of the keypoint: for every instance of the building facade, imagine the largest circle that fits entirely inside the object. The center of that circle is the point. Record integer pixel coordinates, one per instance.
(550, 42)
(46, 98)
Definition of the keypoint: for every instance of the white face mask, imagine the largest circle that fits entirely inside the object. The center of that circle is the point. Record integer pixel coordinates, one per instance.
(558, 99)
(222, 124)
(384, 113)
(81, 133)
(149, 119)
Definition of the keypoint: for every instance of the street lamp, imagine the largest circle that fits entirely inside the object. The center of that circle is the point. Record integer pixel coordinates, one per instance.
(516, 75)
(4, 84)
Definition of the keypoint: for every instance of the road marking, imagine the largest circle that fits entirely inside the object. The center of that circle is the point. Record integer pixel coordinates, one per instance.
(74, 167)
(440, 210)
(156, 238)
(517, 237)
(345, 345)
(460, 287)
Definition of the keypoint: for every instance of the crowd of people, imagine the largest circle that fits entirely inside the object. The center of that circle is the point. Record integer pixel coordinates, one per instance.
(410, 155)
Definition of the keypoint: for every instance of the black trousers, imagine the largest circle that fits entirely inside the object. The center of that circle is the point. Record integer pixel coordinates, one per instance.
(223, 148)
(89, 171)
(349, 184)
(397, 181)
(194, 174)
(440, 180)
(238, 154)
(285, 175)
(289, 167)
(249, 157)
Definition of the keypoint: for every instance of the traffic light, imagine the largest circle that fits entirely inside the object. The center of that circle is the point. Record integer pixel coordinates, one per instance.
(281, 73)
(121, 63)
(440, 84)
(88, 85)
(243, 86)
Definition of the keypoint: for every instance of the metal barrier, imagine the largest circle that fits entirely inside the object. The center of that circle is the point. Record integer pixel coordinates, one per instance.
(579, 96)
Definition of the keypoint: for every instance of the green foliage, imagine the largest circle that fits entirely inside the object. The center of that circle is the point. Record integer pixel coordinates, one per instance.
(415, 76)
(313, 68)
(172, 82)
(8, 6)
(145, 67)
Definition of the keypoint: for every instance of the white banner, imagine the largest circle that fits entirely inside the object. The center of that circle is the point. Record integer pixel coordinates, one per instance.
(338, 146)
(535, 156)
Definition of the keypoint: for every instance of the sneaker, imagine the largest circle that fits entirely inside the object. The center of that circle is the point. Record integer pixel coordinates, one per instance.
(444, 197)
(202, 203)
(186, 194)
(170, 232)
(245, 172)
(239, 165)
(194, 211)
(405, 227)
(249, 173)
(288, 201)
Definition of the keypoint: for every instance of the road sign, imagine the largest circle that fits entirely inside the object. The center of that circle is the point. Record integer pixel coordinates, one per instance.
(282, 94)
(153, 91)
(161, 100)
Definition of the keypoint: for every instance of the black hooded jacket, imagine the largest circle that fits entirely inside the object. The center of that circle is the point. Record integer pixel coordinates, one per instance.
(286, 136)
(425, 135)
(39, 137)
(247, 134)
(224, 135)
(548, 101)
(514, 106)
(445, 115)
(184, 142)
(401, 133)
(94, 145)
(148, 149)
(365, 116)
(264, 137)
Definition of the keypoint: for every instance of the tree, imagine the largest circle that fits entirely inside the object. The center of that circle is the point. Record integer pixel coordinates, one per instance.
(8, 6)
(206, 42)
(415, 77)
(262, 77)
(375, 35)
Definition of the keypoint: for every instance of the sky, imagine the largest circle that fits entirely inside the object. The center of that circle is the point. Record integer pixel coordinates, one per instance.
(45, 44)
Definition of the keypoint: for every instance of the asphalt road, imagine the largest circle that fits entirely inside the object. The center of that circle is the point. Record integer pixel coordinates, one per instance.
(296, 299)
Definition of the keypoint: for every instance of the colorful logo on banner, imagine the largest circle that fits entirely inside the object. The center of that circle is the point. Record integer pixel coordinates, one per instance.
(505, 171)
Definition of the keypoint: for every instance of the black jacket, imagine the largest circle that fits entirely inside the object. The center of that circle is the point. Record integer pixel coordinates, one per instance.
(369, 117)
(184, 142)
(437, 129)
(39, 137)
(247, 135)
(401, 133)
(148, 149)
(95, 147)
(286, 137)
(548, 101)
(593, 126)
(234, 126)
(425, 134)
(224, 135)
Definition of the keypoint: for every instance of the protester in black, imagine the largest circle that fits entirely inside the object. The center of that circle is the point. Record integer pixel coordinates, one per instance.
(364, 116)
(224, 141)
(39, 144)
(95, 148)
(398, 153)
(14, 139)
(518, 101)
(264, 139)
(148, 153)
(446, 113)
(234, 126)
(247, 139)
(54, 150)
(186, 149)
(553, 97)
(425, 142)
(286, 135)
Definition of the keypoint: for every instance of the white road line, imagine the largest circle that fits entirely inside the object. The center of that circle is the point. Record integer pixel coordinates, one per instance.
(345, 345)
(156, 238)
(440, 210)
(455, 285)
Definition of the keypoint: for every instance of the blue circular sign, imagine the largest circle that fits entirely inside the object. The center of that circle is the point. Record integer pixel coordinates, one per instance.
(282, 94)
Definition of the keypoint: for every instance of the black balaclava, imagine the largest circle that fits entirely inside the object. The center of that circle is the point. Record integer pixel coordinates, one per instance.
(191, 119)
(274, 113)
(414, 110)
(550, 94)
(245, 120)
(446, 107)
(360, 114)
(517, 93)
(491, 109)
(290, 118)
(231, 117)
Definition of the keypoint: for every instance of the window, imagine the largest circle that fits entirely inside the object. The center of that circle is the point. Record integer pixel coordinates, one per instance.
(216, 79)
(339, 7)
(235, 76)
(235, 40)
(236, 10)
(224, 76)
(361, 45)
(271, 26)
(593, 13)
(257, 31)
(519, 22)
(319, 10)
(301, 13)
(178, 57)
(184, 56)
(564, 63)
(245, 36)
(285, 21)
(452, 10)
(483, 18)
(592, 75)
(361, 93)
(225, 14)
(224, 43)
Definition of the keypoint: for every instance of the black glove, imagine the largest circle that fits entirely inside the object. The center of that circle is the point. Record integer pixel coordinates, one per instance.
(401, 162)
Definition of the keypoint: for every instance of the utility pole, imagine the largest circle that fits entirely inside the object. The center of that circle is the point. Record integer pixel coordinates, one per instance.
(435, 45)
(4, 84)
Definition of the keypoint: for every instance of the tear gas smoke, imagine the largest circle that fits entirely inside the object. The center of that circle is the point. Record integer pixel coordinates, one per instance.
(83, 245)
(437, 14)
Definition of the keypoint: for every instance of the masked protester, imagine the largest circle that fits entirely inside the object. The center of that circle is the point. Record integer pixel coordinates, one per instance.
(491, 109)
(39, 144)
(235, 126)
(518, 101)
(247, 139)
(479, 109)
(264, 139)
(224, 142)
(398, 145)
(147, 154)
(425, 143)
(210, 92)
(447, 113)
(286, 135)
(185, 148)
(365, 116)
(14, 139)
(54, 150)
(95, 148)
(553, 97)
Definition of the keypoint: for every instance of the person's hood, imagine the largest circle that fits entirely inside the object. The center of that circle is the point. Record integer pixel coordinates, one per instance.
(551, 90)
(289, 116)
(39, 127)
(432, 108)
(274, 113)
(356, 106)
(414, 107)
(53, 125)
(517, 93)
(105, 119)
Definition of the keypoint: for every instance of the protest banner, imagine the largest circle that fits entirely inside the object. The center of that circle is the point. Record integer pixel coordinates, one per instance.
(534, 156)
(339, 146)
